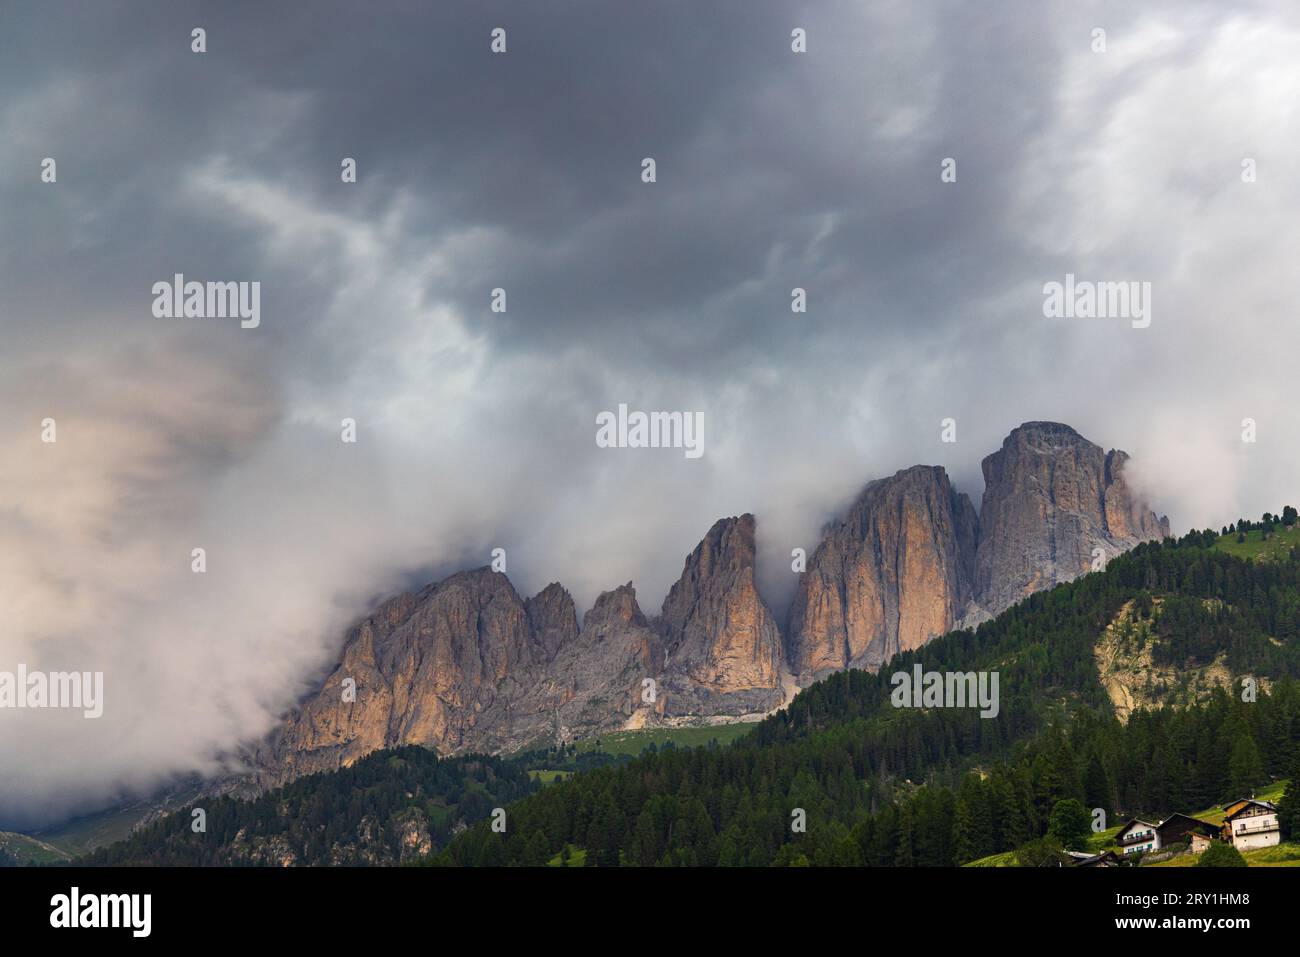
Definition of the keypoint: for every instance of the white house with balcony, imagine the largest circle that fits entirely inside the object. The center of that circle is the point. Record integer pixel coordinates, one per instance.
(1138, 837)
(1248, 823)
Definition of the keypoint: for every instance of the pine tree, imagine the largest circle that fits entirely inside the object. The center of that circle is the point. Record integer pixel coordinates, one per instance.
(1098, 788)
(903, 856)
(1245, 769)
(537, 853)
(963, 844)
(1288, 809)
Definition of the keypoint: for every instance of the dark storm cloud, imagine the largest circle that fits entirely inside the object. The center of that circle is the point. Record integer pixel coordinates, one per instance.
(522, 171)
(759, 151)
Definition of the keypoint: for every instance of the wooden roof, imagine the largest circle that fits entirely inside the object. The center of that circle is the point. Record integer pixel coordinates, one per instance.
(1236, 807)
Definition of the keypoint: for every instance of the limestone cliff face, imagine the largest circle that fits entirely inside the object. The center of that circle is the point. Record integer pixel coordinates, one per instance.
(596, 681)
(1050, 498)
(1128, 520)
(894, 573)
(723, 646)
(439, 668)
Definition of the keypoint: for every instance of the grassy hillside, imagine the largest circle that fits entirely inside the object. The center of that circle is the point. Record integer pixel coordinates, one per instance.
(1284, 855)
(549, 775)
(1275, 548)
(633, 743)
(24, 849)
(1004, 859)
(576, 857)
(84, 834)
(550, 767)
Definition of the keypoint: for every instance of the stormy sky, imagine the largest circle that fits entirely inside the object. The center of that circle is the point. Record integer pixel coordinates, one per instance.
(522, 170)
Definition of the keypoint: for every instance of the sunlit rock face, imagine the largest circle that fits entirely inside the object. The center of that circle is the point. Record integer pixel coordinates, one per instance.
(895, 572)
(723, 646)
(1051, 497)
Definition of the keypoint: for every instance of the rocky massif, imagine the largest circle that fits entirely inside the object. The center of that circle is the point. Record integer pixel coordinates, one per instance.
(469, 665)
(1050, 498)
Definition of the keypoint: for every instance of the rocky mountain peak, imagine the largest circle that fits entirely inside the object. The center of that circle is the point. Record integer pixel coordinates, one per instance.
(552, 618)
(1046, 435)
(719, 635)
(723, 558)
(1054, 504)
(893, 573)
(439, 668)
(615, 606)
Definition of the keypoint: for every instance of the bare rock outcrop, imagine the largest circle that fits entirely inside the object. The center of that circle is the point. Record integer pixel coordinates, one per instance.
(895, 572)
(553, 620)
(439, 668)
(596, 681)
(1050, 498)
(723, 646)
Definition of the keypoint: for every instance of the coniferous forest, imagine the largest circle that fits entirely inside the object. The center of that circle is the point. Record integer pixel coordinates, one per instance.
(386, 808)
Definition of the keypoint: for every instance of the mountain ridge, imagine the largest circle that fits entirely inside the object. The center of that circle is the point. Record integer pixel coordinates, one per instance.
(468, 664)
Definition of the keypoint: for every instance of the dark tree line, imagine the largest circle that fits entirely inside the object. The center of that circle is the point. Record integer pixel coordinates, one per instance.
(356, 815)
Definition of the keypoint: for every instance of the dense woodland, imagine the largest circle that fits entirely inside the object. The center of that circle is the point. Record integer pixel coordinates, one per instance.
(357, 815)
(876, 785)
